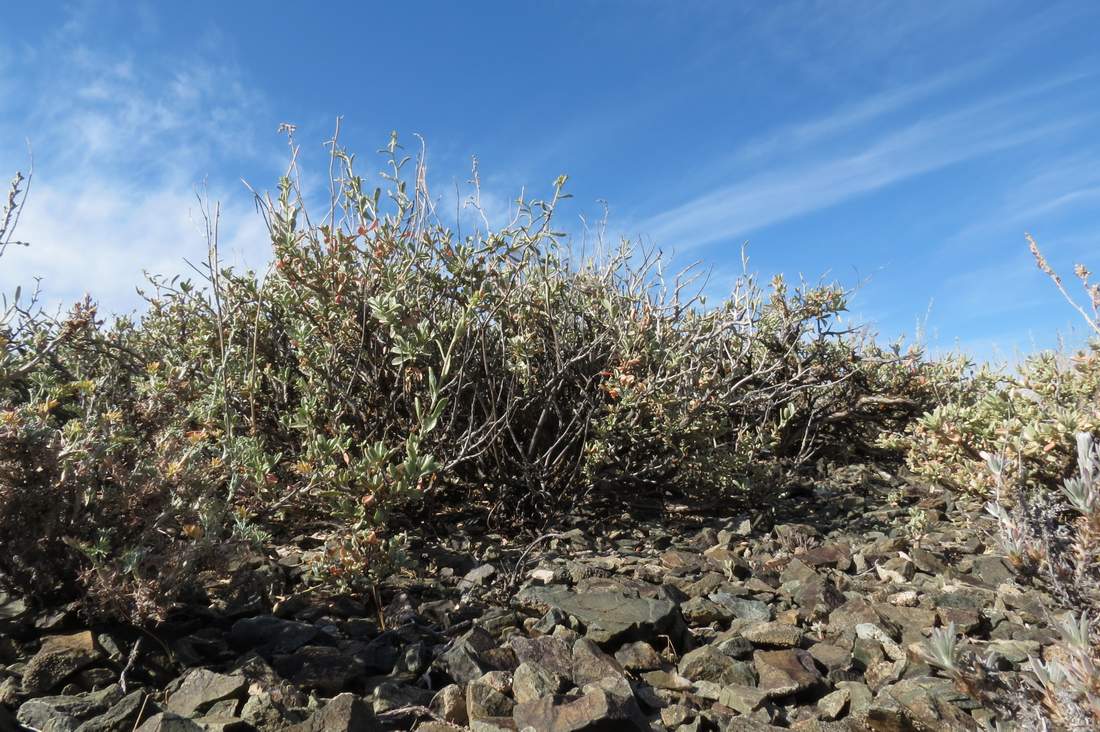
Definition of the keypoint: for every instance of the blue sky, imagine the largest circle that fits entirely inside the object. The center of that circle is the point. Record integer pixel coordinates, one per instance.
(902, 146)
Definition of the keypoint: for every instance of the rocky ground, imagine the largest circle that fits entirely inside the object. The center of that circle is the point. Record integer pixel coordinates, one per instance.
(811, 616)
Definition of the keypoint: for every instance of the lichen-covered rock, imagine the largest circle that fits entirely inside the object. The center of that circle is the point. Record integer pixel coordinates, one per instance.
(785, 672)
(201, 688)
(58, 657)
(611, 619)
(65, 713)
(596, 710)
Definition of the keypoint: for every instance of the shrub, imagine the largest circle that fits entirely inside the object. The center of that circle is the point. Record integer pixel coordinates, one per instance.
(1031, 417)
(383, 364)
(1025, 442)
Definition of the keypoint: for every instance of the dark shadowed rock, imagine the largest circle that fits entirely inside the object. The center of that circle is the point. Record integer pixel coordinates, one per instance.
(343, 713)
(271, 635)
(463, 661)
(323, 668)
(169, 722)
(121, 717)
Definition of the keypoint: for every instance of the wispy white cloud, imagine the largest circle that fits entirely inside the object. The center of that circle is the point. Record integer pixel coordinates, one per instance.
(855, 116)
(928, 144)
(1046, 193)
(120, 148)
(100, 240)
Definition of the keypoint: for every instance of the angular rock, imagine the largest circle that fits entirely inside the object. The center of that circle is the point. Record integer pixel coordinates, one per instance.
(859, 697)
(487, 697)
(709, 664)
(531, 682)
(450, 703)
(701, 611)
(65, 713)
(671, 681)
(733, 645)
(926, 561)
(738, 607)
(728, 562)
(477, 577)
(869, 631)
(844, 619)
(343, 713)
(817, 597)
(58, 657)
(391, 695)
(122, 716)
(638, 656)
(169, 722)
(912, 621)
(797, 570)
(264, 711)
(596, 710)
(323, 668)
(271, 635)
(552, 654)
(838, 556)
(884, 673)
(991, 571)
(221, 723)
(866, 652)
(681, 562)
(591, 664)
(201, 688)
(382, 653)
(463, 660)
(966, 620)
(896, 569)
(743, 699)
(830, 656)
(923, 703)
(776, 635)
(611, 619)
(785, 672)
(675, 715)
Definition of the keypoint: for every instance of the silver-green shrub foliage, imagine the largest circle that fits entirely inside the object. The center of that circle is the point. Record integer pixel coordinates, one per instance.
(384, 363)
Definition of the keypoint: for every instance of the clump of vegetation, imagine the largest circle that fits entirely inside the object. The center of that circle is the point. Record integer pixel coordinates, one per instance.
(1031, 417)
(384, 363)
(1026, 443)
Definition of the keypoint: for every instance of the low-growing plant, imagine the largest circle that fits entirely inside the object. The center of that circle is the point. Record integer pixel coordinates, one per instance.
(385, 367)
(1068, 682)
(1026, 442)
(940, 649)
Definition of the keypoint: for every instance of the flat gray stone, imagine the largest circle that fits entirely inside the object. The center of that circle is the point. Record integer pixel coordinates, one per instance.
(609, 618)
(201, 688)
